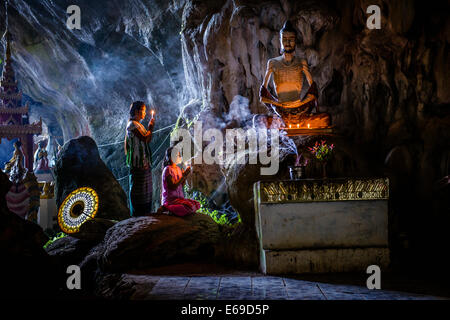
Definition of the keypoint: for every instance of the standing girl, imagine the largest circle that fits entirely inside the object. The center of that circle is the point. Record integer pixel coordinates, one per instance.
(139, 160)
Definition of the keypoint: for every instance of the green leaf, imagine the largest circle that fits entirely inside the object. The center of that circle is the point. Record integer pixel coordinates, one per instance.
(59, 235)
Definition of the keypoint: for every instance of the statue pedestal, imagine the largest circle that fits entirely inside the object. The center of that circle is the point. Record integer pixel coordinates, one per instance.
(47, 213)
(292, 132)
(319, 226)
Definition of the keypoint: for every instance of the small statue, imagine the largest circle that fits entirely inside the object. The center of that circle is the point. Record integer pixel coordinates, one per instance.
(40, 158)
(14, 167)
(288, 71)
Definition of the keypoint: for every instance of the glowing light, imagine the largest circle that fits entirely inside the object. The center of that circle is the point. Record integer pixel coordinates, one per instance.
(78, 207)
(308, 126)
(298, 125)
(290, 126)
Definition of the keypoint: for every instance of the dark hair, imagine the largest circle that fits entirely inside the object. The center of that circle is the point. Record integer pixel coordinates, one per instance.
(288, 27)
(135, 106)
(168, 157)
(18, 144)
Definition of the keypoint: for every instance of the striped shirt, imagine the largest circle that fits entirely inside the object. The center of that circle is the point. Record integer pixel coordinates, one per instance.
(137, 150)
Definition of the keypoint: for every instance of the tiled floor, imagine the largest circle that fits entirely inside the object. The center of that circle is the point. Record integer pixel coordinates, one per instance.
(254, 288)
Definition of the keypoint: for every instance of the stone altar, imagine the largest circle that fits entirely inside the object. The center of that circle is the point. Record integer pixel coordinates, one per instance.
(319, 226)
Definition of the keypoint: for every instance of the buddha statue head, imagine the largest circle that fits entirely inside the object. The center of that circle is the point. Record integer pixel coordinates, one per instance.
(288, 36)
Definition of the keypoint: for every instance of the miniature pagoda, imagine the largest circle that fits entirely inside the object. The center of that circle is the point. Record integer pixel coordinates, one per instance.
(14, 120)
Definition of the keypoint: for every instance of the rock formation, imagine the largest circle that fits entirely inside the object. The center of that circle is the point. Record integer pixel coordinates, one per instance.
(79, 165)
(137, 244)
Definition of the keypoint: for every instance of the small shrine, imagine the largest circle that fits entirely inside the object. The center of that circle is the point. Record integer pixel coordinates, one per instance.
(24, 198)
(14, 119)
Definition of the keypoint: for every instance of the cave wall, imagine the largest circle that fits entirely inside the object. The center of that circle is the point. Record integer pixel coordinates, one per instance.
(82, 82)
(369, 79)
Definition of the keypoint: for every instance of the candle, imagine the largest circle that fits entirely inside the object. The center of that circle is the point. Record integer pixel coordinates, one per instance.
(290, 126)
(298, 125)
(308, 126)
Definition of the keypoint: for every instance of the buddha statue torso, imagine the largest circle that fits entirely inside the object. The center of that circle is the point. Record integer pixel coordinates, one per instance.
(287, 78)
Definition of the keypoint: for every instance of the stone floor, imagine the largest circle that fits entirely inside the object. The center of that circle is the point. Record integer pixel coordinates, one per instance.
(229, 287)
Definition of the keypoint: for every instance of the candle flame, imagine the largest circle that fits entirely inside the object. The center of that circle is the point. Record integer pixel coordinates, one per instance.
(308, 126)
